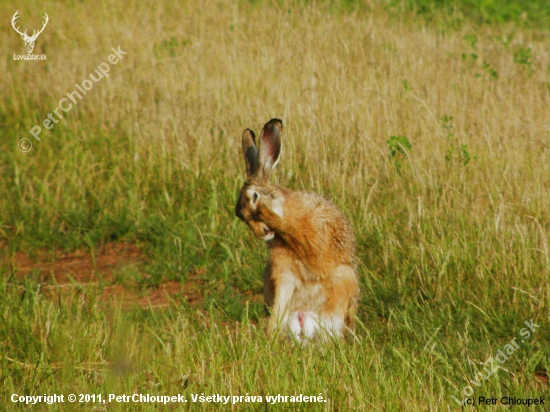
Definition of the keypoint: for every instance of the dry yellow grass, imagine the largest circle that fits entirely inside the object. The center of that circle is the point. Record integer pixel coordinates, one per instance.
(336, 80)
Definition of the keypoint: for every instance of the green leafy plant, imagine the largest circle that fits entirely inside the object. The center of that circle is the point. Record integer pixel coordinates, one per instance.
(398, 145)
(455, 153)
(446, 119)
(472, 40)
(490, 70)
(458, 154)
(472, 57)
(523, 57)
(169, 47)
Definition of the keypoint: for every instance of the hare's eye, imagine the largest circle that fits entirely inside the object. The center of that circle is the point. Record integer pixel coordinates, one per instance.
(254, 197)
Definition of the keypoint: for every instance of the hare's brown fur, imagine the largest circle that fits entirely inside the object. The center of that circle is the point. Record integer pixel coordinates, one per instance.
(310, 279)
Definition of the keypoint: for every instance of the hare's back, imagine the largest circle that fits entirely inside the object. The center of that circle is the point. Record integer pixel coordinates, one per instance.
(327, 226)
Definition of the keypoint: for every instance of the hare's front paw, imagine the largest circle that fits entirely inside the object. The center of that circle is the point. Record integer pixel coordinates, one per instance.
(264, 212)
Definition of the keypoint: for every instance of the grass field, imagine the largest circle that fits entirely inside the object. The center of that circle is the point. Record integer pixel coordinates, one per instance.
(124, 269)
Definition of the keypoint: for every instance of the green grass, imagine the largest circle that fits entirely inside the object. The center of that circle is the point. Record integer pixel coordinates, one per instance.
(434, 142)
(398, 362)
(534, 14)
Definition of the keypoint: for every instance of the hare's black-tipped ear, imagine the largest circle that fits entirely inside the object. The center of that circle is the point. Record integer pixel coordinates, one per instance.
(270, 145)
(250, 152)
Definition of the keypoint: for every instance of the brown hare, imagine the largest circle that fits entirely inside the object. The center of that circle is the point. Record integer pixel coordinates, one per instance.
(310, 280)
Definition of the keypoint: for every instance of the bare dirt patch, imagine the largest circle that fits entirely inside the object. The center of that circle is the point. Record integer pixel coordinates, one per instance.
(82, 266)
(64, 275)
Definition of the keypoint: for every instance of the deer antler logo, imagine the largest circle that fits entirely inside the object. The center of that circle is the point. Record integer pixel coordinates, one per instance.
(29, 40)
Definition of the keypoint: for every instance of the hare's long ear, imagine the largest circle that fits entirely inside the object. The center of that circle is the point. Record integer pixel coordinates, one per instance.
(250, 153)
(270, 146)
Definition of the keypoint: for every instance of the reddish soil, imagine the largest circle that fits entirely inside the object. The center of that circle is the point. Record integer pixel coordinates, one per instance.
(80, 266)
(67, 274)
(543, 377)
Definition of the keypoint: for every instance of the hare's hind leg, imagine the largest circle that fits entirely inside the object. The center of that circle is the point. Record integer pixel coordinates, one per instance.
(341, 306)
